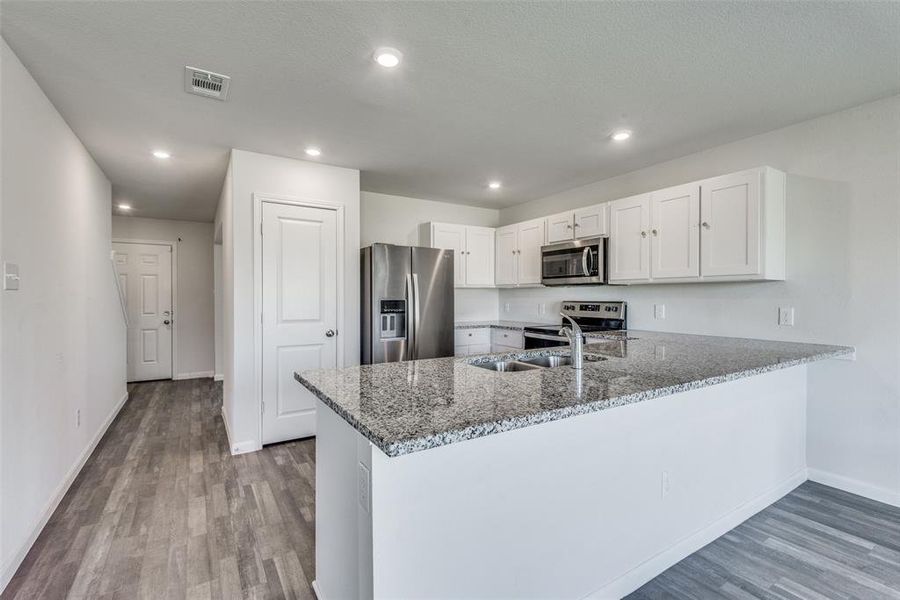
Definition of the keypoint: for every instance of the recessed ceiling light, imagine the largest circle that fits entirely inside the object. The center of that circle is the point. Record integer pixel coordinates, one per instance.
(388, 57)
(313, 151)
(620, 135)
(123, 206)
(161, 154)
(495, 185)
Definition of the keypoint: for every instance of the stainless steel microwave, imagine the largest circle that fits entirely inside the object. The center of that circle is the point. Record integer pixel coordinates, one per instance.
(579, 262)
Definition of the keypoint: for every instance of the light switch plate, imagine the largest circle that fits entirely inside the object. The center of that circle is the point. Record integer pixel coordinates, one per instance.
(659, 311)
(786, 316)
(10, 276)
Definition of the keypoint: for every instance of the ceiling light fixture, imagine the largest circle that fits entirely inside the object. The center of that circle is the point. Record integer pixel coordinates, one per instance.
(495, 185)
(123, 206)
(161, 154)
(621, 135)
(313, 151)
(388, 57)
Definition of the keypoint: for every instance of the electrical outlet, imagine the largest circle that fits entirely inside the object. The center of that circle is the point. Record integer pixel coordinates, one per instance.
(786, 316)
(10, 276)
(664, 485)
(659, 311)
(506, 307)
(77, 418)
(364, 486)
(542, 308)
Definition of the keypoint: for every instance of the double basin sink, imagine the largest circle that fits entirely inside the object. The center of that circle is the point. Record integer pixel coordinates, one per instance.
(534, 363)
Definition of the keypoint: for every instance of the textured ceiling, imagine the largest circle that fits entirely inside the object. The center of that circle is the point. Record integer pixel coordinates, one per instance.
(519, 91)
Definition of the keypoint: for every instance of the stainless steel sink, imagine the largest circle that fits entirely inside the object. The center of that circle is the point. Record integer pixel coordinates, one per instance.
(530, 364)
(506, 366)
(548, 361)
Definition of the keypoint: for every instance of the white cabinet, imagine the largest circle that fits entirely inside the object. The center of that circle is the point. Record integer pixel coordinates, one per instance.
(473, 250)
(506, 271)
(531, 238)
(592, 221)
(742, 226)
(472, 341)
(629, 241)
(506, 340)
(674, 232)
(561, 227)
(519, 253)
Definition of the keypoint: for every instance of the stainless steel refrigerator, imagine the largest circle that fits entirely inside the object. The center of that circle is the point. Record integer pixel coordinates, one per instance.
(407, 303)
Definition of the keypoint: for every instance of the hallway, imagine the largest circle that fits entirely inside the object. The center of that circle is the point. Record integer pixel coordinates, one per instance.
(162, 510)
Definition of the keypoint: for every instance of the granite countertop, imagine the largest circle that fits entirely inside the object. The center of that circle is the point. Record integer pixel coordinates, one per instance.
(514, 325)
(411, 406)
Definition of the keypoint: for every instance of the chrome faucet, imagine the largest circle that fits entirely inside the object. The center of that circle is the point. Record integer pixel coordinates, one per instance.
(576, 341)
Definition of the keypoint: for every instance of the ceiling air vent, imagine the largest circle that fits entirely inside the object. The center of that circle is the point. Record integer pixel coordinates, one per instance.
(206, 83)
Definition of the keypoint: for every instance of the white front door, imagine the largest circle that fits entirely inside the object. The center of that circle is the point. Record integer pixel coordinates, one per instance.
(145, 276)
(299, 313)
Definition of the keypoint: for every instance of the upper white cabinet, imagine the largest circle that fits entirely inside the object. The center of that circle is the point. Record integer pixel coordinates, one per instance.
(727, 228)
(592, 221)
(674, 232)
(629, 239)
(519, 253)
(742, 225)
(473, 249)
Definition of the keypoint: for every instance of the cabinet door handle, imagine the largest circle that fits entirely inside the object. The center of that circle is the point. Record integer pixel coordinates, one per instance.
(705, 224)
(654, 232)
(643, 234)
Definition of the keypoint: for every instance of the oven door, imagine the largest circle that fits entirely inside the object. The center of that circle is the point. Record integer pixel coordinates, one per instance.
(578, 262)
(534, 340)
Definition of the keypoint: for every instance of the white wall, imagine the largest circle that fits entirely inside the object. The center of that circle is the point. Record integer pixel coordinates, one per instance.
(194, 318)
(251, 173)
(397, 220)
(63, 334)
(843, 223)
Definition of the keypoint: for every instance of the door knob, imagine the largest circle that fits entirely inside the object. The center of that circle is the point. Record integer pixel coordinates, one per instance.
(329, 333)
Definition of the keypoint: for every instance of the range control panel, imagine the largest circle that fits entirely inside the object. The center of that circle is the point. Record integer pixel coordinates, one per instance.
(600, 310)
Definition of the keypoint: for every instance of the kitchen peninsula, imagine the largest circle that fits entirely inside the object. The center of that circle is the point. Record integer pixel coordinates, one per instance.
(442, 478)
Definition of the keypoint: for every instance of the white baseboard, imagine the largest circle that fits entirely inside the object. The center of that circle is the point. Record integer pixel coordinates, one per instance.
(317, 591)
(10, 568)
(632, 580)
(219, 377)
(855, 486)
(238, 447)
(194, 375)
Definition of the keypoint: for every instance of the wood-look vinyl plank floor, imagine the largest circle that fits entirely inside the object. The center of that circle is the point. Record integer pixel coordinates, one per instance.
(162, 510)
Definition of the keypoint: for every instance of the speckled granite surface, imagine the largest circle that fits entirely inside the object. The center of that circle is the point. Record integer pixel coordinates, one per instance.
(514, 325)
(412, 406)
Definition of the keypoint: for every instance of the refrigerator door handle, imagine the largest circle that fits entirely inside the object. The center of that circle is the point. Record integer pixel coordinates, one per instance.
(415, 280)
(410, 321)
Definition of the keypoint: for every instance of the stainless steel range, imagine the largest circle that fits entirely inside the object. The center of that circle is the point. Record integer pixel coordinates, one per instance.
(590, 316)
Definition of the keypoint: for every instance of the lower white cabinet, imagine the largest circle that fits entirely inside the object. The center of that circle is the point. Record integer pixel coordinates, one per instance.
(472, 341)
(503, 340)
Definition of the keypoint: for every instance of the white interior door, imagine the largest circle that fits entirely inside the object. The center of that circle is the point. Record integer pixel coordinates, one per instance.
(675, 232)
(145, 276)
(299, 313)
(629, 242)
